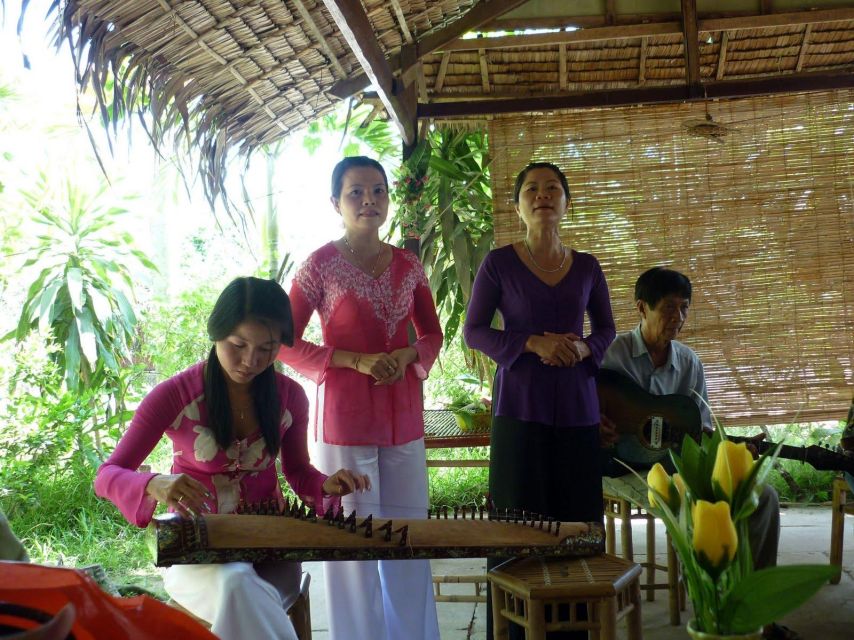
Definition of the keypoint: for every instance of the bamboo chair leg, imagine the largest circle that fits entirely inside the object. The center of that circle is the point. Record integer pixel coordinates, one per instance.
(626, 530)
(650, 557)
(837, 525)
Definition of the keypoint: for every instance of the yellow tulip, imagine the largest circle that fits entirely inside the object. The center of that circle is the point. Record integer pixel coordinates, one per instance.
(657, 478)
(733, 464)
(715, 539)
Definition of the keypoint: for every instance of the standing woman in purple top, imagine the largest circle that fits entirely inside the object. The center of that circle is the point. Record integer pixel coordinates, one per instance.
(545, 427)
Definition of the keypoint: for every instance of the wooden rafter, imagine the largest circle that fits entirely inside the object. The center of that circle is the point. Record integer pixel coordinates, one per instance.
(648, 95)
(476, 17)
(642, 62)
(319, 38)
(719, 74)
(443, 69)
(690, 34)
(399, 101)
(562, 79)
(802, 54)
(484, 70)
(610, 12)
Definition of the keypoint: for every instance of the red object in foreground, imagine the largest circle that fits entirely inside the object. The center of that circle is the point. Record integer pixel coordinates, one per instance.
(98, 615)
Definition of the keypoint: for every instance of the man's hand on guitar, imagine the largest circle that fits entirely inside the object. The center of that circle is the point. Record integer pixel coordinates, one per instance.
(608, 435)
(752, 442)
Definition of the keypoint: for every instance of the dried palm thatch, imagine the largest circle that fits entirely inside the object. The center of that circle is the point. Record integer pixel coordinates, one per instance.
(226, 77)
(220, 76)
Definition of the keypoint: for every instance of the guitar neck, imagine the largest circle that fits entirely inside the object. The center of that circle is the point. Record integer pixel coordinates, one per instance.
(821, 458)
(786, 451)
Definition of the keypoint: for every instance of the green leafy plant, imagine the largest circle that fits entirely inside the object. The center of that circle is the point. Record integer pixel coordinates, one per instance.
(79, 294)
(705, 507)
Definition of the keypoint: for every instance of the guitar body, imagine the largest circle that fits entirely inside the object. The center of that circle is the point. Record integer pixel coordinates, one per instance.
(648, 425)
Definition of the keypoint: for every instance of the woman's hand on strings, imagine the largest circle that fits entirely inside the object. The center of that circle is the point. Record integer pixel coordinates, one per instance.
(186, 495)
(344, 482)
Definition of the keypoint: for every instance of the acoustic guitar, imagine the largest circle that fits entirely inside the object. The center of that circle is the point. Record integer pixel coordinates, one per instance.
(649, 426)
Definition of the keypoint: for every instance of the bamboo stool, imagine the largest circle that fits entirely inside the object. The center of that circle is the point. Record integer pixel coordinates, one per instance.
(837, 523)
(299, 613)
(530, 591)
(617, 507)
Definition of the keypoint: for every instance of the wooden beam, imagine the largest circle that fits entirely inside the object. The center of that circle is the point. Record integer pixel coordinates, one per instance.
(805, 42)
(568, 37)
(726, 89)
(357, 31)
(642, 63)
(484, 70)
(443, 69)
(319, 38)
(401, 20)
(690, 37)
(348, 86)
(719, 74)
(610, 12)
(708, 20)
(777, 20)
(562, 79)
(476, 17)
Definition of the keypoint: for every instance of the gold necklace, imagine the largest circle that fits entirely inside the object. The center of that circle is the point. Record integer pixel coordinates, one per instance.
(544, 270)
(359, 258)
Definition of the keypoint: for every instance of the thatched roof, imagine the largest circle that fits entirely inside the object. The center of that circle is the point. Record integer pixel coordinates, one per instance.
(233, 75)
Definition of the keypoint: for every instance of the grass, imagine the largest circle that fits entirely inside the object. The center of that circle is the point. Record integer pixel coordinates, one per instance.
(458, 486)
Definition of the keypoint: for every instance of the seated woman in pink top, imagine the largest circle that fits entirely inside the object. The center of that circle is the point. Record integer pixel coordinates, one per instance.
(228, 418)
(369, 405)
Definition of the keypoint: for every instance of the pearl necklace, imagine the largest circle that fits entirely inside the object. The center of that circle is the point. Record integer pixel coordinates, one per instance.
(359, 258)
(544, 270)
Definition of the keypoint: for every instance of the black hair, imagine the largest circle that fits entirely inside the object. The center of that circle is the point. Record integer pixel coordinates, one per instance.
(349, 163)
(520, 179)
(660, 282)
(246, 299)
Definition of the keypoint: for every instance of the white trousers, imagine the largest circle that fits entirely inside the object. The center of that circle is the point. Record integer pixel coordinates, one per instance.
(385, 599)
(240, 600)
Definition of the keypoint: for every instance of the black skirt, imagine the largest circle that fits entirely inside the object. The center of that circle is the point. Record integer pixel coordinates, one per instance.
(553, 471)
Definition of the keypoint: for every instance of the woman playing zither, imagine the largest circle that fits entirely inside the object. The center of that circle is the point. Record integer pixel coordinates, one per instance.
(228, 417)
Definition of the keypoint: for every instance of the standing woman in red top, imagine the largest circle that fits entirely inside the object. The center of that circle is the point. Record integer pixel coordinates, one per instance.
(369, 398)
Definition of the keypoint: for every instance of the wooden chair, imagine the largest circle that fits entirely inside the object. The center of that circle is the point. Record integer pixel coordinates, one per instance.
(564, 594)
(620, 508)
(841, 506)
(299, 613)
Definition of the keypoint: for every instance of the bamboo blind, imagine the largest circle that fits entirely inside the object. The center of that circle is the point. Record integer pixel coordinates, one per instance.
(762, 222)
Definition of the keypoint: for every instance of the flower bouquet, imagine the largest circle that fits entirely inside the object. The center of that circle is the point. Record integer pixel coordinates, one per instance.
(705, 506)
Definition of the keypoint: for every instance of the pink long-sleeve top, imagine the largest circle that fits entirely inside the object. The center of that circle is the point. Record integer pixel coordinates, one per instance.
(243, 471)
(366, 315)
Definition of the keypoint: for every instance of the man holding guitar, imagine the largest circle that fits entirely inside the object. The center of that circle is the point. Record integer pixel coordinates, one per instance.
(650, 356)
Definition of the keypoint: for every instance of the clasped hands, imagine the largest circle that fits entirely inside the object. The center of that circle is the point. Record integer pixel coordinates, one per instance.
(558, 349)
(189, 497)
(385, 368)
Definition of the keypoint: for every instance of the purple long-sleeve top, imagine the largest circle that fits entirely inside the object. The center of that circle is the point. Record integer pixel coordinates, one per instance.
(525, 388)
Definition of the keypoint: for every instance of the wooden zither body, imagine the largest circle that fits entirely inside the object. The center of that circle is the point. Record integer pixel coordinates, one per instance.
(252, 538)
